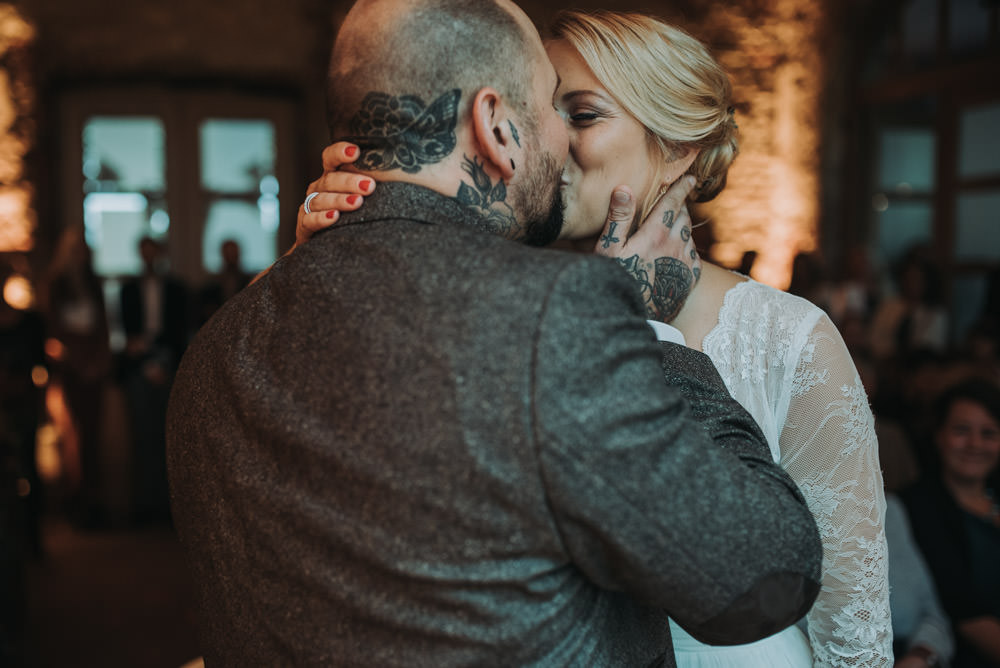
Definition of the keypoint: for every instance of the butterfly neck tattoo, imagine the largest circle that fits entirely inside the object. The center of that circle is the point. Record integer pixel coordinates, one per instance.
(403, 132)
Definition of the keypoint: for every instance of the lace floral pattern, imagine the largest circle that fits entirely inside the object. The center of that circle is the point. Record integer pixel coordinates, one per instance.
(783, 359)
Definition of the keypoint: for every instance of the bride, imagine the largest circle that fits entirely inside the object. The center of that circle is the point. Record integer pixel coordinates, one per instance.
(646, 103)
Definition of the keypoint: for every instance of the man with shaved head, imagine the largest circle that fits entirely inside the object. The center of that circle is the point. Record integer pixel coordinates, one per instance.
(418, 441)
(450, 57)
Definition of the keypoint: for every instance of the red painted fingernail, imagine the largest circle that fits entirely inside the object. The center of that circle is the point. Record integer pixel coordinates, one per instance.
(351, 151)
(366, 185)
(353, 199)
(331, 213)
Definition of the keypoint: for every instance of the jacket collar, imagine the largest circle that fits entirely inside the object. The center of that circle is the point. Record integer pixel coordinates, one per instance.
(407, 201)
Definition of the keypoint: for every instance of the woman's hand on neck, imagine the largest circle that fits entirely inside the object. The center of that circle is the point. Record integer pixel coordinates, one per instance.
(660, 255)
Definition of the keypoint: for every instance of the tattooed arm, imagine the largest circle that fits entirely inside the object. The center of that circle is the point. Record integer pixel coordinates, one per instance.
(661, 255)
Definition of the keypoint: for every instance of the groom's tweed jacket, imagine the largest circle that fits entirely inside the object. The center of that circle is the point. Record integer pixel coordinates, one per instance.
(414, 443)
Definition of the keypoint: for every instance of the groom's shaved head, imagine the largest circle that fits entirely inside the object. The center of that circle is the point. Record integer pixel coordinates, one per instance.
(419, 56)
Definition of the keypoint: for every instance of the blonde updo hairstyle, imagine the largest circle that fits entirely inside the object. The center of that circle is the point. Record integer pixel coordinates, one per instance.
(668, 81)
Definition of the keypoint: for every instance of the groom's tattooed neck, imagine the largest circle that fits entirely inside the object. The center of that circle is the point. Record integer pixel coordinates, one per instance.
(402, 132)
(488, 199)
(664, 283)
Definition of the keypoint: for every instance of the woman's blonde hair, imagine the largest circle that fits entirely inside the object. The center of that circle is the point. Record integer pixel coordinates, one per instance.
(668, 81)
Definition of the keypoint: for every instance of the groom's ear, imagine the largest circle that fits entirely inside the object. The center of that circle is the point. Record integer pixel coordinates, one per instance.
(494, 132)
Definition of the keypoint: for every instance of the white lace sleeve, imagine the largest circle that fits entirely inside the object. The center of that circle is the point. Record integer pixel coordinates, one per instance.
(828, 446)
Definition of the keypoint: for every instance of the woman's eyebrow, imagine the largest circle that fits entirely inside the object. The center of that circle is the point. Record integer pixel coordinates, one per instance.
(571, 95)
(580, 93)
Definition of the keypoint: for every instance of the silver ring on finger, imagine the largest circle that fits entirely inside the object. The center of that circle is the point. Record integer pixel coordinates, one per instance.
(309, 198)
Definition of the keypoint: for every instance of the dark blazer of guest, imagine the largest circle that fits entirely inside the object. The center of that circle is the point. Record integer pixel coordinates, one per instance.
(174, 316)
(940, 529)
(415, 443)
(87, 355)
(216, 291)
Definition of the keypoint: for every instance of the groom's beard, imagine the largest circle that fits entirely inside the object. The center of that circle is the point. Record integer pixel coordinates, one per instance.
(543, 205)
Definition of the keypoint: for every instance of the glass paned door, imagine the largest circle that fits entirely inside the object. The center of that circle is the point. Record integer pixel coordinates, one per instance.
(124, 185)
(238, 158)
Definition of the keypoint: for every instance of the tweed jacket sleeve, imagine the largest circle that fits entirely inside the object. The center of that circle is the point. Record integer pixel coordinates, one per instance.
(666, 491)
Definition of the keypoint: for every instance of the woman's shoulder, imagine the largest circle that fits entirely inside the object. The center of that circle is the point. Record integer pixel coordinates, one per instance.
(760, 332)
(768, 308)
(763, 291)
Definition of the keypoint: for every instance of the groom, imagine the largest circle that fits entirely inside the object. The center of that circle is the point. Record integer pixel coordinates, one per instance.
(418, 443)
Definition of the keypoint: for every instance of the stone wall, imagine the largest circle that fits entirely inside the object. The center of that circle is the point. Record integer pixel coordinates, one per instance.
(17, 131)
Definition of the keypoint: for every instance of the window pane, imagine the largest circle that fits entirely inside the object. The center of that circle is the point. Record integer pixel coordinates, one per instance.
(115, 222)
(978, 234)
(969, 26)
(125, 186)
(236, 155)
(900, 226)
(907, 160)
(244, 223)
(920, 30)
(123, 154)
(979, 141)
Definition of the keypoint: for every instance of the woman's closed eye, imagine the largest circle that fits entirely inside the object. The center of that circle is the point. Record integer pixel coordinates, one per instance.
(584, 118)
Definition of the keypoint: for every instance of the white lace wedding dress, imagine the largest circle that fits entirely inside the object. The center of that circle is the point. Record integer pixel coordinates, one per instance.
(782, 358)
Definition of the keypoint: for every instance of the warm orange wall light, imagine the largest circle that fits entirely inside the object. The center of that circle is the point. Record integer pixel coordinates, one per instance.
(771, 202)
(17, 218)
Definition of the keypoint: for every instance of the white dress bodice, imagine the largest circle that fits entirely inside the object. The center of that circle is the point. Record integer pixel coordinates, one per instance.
(782, 358)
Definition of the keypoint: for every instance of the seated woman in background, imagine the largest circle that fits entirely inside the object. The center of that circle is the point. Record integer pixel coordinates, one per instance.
(955, 518)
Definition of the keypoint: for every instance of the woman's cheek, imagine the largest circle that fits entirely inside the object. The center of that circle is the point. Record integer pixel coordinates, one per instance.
(595, 212)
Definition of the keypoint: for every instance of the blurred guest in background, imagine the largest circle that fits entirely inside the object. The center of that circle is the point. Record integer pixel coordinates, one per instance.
(980, 346)
(223, 285)
(154, 310)
(921, 631)
(955, 518)
(80, 357)
(851, 301)
(914, 319)
(809, 279)
(991, 309)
